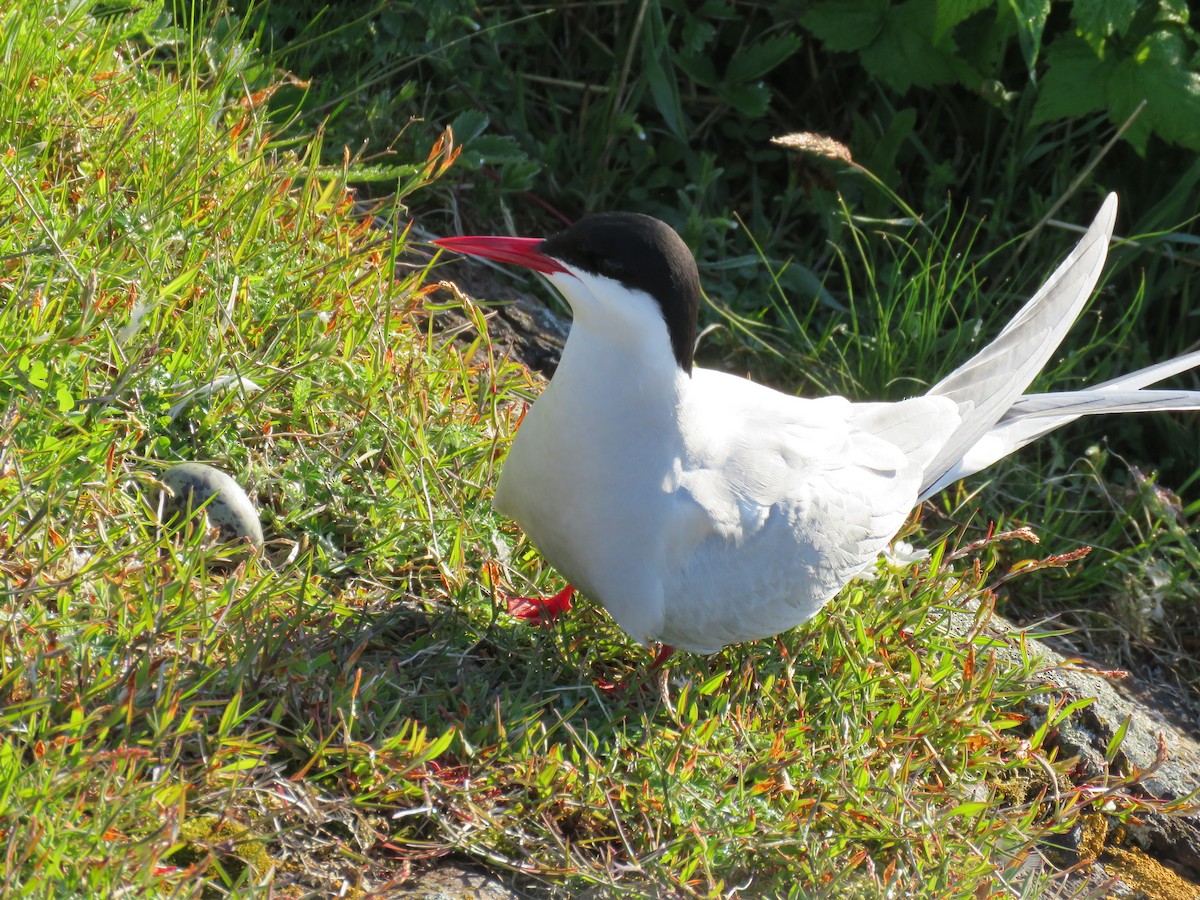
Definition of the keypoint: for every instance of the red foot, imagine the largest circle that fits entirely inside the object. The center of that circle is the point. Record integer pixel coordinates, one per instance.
(539, 610)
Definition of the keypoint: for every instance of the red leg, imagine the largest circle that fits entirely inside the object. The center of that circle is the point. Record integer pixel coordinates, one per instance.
(665, 652)
(540, 610)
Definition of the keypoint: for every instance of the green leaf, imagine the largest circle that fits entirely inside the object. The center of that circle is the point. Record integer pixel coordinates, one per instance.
(500, 151)
(238, 765)
(664, 86)
(665, 91)
(468, 125)
(1098, 20)
(951, 12)
(179, 282)
(710, 686)
(851, 25)
(696, 34)
(1074, 84)
(1057, 718)
(1030, 17)
(879, 151)
(1172, 12)
(971, 808)
(902, 44)
(439, 746)
(35, 370)
(698, 68)
(753, 62)
(1157, 73)
(1110, 752)
(749, 99)
(232, 716)
(904, 54)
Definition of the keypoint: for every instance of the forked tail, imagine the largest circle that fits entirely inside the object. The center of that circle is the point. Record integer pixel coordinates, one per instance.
(997, 416)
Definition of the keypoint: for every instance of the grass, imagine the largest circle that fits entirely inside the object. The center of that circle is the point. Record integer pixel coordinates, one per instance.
(183, 279)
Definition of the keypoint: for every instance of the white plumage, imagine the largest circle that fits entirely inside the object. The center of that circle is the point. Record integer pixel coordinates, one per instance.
(702, 509)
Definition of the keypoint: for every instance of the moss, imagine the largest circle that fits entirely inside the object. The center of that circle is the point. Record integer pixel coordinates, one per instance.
(1107, 846)
(238, 846)
(1095, 832)
(1016, 789)
(1152, 878)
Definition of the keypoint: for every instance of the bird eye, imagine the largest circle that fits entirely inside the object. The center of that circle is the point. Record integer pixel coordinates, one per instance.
(609, 267)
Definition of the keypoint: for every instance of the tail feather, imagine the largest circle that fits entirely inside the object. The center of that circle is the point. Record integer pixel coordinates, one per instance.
(1036, 415)
(1064, 406)
(1152, 374)
(998, 418)
(988, 384)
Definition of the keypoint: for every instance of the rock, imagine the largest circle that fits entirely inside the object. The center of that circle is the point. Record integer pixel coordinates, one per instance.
(453, 882)
(1159, 855)
(520, 327)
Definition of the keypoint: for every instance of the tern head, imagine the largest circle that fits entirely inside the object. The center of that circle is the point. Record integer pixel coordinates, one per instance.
(618, 266)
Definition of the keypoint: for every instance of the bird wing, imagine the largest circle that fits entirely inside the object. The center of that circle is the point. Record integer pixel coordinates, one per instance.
(785, 500)
(987, 385)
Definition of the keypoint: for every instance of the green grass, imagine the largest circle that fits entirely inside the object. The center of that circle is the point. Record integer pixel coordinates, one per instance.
(351, 705)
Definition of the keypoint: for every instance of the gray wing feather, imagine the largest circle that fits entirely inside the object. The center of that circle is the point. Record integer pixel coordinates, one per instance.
(1035, 415)
(988, 385)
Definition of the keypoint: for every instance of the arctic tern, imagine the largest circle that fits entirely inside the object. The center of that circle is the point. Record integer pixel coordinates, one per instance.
(702, 509)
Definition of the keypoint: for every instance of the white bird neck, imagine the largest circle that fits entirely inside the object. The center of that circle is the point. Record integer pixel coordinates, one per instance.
(637, 373)
(618, 344)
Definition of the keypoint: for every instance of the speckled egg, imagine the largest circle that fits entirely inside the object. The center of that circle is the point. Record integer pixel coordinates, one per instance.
(189, 487)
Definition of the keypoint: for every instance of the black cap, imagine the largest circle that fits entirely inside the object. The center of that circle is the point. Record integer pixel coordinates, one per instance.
(641, 253)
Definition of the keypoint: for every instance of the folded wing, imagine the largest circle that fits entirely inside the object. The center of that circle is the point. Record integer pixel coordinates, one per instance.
(795, 513)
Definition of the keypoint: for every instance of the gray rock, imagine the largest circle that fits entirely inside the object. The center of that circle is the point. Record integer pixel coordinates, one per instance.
(452, 882)
(1155, 742)
(518, 325)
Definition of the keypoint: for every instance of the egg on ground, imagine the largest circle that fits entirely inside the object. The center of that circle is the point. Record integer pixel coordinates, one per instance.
(192, 485)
